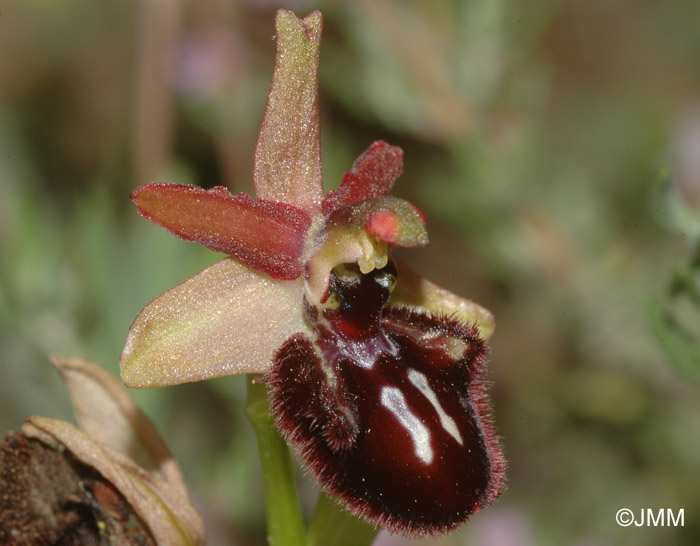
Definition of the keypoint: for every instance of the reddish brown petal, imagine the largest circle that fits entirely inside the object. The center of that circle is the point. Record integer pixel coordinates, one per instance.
(288, 154)
(388, 408)
(264, 235)
(372, 175)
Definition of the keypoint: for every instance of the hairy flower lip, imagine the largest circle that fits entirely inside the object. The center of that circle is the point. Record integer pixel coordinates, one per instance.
(273, 295)
(326, 389)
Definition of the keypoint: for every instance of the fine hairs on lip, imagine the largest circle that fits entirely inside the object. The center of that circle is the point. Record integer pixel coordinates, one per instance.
(404, 439)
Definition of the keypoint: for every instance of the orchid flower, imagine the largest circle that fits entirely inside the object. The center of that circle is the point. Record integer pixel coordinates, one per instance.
(119, 441)
(374, 373)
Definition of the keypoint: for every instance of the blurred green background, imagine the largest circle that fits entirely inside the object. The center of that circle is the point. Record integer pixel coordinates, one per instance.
(554, 146)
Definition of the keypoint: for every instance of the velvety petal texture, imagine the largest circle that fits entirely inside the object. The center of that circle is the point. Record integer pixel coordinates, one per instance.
(372, 175)
(388, 409)
(226, 320)
(265, 235)
(288, 154)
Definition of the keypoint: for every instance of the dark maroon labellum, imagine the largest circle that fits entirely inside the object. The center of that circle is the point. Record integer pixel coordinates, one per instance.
(387, 408)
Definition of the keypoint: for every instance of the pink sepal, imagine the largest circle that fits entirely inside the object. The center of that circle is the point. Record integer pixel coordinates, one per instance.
(265, 235)
(226, 320)
(287, 163)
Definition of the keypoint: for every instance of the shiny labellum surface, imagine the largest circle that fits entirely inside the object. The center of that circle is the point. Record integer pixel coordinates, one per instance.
(387, 408)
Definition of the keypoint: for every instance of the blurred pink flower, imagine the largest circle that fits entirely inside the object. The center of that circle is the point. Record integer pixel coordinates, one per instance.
(207, 62)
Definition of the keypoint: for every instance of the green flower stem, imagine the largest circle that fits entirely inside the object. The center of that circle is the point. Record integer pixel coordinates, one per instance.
(334, 525)
(285, 522)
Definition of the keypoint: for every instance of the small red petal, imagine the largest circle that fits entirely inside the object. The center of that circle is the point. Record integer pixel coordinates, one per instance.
(265, 235)
(372, 175)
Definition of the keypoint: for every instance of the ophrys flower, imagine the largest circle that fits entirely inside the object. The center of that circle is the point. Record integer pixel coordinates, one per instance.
(374, 372)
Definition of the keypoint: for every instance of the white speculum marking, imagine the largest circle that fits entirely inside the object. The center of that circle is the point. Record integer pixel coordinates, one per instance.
(366, 354)
(421, 383)
(394, 400)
